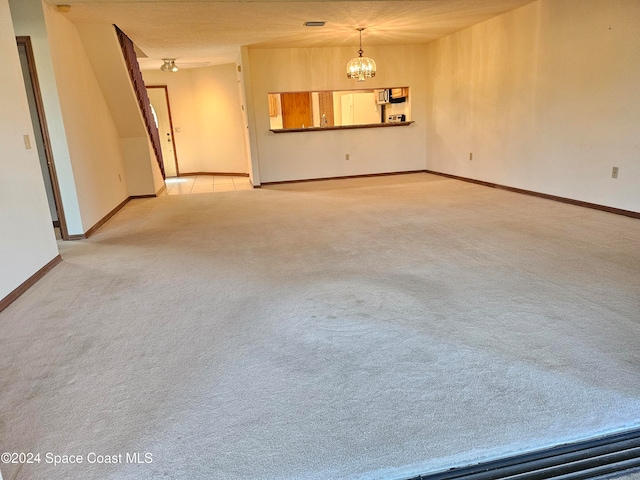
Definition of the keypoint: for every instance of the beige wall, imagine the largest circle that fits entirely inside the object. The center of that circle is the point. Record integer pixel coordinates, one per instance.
(547, 99)
(218, 111)
(104, 53)
(27, 241)
(293, 156)
(205, 106)
(92, 136)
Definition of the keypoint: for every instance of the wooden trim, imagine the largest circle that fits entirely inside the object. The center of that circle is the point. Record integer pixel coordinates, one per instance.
(78, 236)
(320, 179)
(595, 206)
(151, 195)
(9, 299)
(341, 127)
(580, 203)
(137, 82)
(42, 120)
(326, 111)
(217, 174)
(103, 220)
(617, 211)
(173, 133)
(162, 189)
(348, 90)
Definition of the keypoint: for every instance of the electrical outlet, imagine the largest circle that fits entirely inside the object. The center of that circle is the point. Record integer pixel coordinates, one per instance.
(614, 172)
(346, 156)
(470, 155)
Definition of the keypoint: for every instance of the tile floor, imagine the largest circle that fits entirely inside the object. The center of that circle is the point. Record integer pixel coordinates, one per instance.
(206, 184)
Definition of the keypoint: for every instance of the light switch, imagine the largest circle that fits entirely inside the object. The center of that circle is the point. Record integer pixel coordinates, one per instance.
(27, 142)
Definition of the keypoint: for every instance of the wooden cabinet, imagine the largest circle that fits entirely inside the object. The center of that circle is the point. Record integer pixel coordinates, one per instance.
(296, 110)
(399, 92)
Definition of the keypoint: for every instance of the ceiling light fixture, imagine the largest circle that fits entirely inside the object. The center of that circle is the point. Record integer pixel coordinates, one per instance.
(361, 67)
(314, 24)
(169, 65)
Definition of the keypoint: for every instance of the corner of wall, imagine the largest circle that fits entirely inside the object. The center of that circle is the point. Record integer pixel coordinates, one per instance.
(249, 116)
(137, 163)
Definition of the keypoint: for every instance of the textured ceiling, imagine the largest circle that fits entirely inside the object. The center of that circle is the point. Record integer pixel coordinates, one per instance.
(211, 32)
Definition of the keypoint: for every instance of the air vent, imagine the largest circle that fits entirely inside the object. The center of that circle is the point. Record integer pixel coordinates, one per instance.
(593, 458)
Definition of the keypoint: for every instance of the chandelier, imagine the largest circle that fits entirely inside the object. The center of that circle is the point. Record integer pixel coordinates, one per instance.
(361, 67)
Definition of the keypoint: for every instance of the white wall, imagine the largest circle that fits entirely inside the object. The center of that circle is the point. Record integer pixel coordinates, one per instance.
(27, 241)
(293, 156)
(546, 97)
(206, 107)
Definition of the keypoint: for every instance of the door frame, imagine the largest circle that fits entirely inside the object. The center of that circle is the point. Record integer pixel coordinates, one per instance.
(25, 42)
(173, 133)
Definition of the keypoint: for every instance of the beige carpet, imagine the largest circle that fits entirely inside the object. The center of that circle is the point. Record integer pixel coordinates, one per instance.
(351, 329)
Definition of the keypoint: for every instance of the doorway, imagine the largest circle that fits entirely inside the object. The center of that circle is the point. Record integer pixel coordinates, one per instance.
(159, 98)
(41, 133)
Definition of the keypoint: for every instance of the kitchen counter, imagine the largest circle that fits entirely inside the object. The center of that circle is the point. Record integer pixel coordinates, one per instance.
(341, 127)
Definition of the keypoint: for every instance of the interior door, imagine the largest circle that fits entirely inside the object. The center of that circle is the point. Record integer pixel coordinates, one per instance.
(346, 104)
(296, 110)
(365, 109)
(159, 98)
(41, 134)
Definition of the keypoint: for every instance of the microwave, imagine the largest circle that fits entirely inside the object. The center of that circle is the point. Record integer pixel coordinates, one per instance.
(383, 96)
